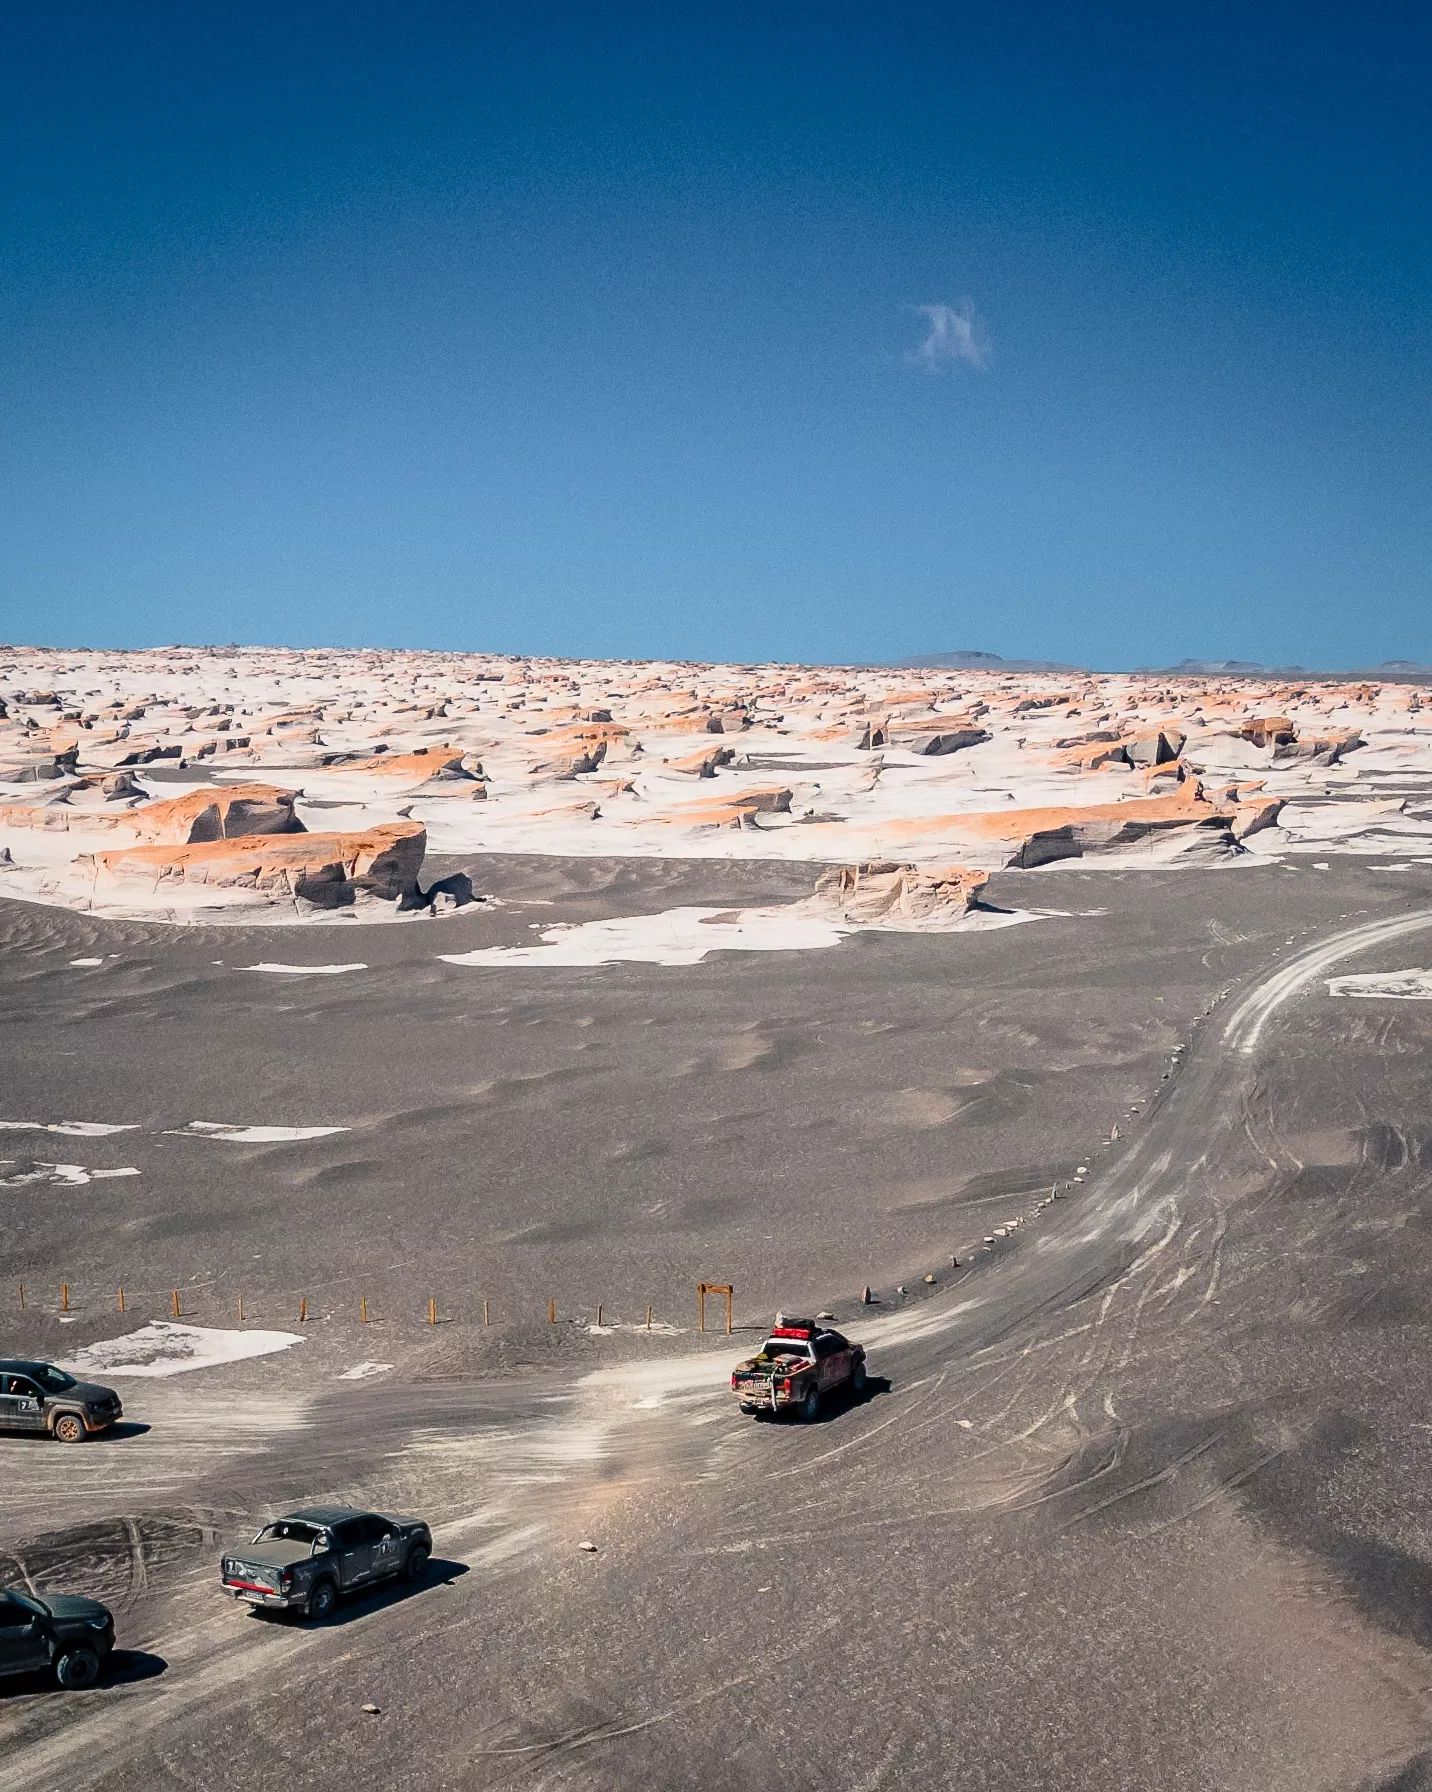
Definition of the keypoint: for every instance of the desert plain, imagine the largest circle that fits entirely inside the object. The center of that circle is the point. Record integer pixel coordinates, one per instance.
(407, 1035)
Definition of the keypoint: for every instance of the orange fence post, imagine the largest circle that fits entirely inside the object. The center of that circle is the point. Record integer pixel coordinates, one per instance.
(22, 1295)
(303, 1309)
(64, 1297)
(121, 1299)
(648, 1319)
(484, 1310)
(362, 1309)
(175, 1303)
(432, 1310)
(239, 1309)
(599, 1312)
(551, 1312)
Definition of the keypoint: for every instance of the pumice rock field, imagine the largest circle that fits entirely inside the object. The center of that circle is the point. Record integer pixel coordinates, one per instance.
(183, 784)
(390, 1043)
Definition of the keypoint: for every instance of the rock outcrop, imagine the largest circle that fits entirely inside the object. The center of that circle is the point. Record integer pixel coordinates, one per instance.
(884, 891)
(322, 870)
(739, 810)
(231, 812)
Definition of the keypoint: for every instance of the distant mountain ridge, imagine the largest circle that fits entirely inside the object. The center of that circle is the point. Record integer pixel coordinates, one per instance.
(981, 662)
(1389, 672)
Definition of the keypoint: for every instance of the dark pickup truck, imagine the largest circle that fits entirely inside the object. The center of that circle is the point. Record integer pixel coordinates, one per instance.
(69, 1635)
(39, 1397)
(304, 1561)
(796, 1367)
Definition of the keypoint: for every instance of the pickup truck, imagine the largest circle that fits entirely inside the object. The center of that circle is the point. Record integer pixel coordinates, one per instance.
(305, 1560)
(69, 1635)
(797, 1365)
(39, 1397)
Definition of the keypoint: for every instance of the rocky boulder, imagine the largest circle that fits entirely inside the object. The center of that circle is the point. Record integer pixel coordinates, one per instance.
(323, 870)
(231, 812)
(884, 891)
(1269, 731)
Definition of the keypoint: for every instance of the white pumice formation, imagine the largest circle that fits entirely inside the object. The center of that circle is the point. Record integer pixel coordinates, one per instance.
(268, 784)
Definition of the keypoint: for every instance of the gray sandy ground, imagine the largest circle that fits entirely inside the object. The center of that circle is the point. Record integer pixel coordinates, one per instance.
(1145, 1502)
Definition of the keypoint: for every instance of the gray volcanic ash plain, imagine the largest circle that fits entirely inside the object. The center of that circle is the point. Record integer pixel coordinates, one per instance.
(1140, 1495)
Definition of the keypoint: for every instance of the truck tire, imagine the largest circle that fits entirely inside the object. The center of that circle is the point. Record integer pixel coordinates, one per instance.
(77, 1668)
(810, 1406)
(322, 1601)
(416, 1566)
(858, 1379)
(69, 1427)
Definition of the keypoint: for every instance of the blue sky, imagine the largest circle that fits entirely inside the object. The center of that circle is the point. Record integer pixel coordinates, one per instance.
(815, 331)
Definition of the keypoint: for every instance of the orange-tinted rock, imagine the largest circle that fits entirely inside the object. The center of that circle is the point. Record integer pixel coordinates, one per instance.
(327, 870)
(231, 812)
(1269, 731)
(738, 810)
(1038, 836)
(412, 768)
(701, 764)
(1320, 749)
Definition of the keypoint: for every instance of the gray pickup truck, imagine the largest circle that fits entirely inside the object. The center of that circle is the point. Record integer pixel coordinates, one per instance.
(71, 1636)
(39, 1397)
(305, 1560)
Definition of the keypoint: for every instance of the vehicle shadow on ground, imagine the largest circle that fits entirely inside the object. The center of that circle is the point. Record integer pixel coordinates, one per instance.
(837, 1403)
(357, 1606)
(125, 1667)
(114, 1434)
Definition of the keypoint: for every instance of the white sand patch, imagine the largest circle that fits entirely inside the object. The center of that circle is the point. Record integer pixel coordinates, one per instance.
(59, 1175)
(74, 1129)
(677, 936)
(166, 1348)
(684, 936)
(305, 970)
(361, 1371)
(252, 1135)
(658, 1327)
(84, 964)
(1401, 986)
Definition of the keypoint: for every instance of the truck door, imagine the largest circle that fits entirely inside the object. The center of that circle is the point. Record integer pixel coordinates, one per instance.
(22, 1403)
(353, 1552)
(387, 1548)
(830, 1361)
(23, 1641)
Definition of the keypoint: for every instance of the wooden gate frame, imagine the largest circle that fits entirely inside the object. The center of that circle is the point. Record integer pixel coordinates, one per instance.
(705, 1288)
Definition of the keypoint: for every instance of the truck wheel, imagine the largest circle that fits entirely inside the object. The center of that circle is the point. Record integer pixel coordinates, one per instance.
(77, 1668)
(810, 1406)
(70, 1428)
(416, 1566)
(322, 1600)
(858, 1379)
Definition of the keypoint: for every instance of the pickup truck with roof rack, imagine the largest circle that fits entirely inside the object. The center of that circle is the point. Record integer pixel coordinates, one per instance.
(797, 1366)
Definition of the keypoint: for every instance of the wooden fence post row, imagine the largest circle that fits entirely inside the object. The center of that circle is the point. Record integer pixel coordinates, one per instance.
(176, 1305)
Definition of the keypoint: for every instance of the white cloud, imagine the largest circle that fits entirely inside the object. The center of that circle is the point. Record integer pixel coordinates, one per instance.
(956, 333)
